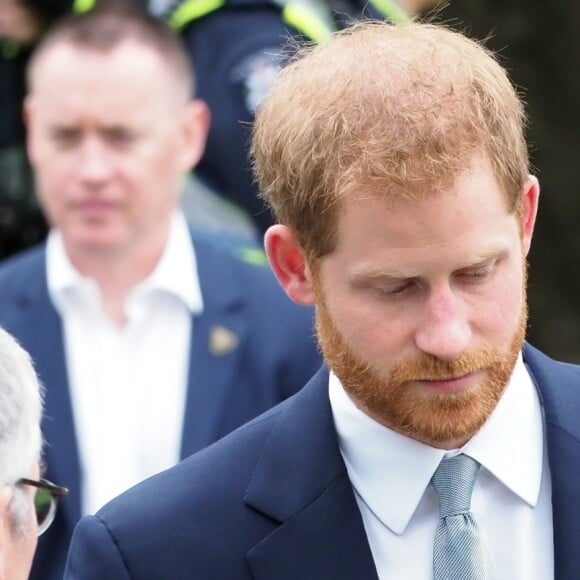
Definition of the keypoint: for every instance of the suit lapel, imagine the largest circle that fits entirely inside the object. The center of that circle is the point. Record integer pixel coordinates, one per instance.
(214, 356)
(39, 329)
(558, 385)
(301, 482)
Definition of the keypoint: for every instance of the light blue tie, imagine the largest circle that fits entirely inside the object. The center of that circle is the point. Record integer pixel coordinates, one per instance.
(458, 550)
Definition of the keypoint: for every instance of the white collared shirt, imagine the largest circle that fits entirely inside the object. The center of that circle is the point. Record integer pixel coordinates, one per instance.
(128, 384)
(390, 474)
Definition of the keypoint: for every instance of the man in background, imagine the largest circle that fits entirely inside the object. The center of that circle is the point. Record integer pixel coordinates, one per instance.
(27, 503)
(151, 343)
(22, 224)
(437, 445)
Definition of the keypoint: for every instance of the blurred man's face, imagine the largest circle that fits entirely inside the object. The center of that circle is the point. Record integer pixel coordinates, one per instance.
(109, 140)
(421, 307)
(17, 546)
(18, 23)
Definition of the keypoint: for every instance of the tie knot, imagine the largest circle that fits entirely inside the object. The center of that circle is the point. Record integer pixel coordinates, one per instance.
(453, 481)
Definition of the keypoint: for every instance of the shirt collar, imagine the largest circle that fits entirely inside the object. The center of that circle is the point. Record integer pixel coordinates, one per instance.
(175, 272)
(383, 464)
(511, 443)
(63, 280)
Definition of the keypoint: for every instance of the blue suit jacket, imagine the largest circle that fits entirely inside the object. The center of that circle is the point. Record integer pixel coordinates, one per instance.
(273, 501)
(276, 355)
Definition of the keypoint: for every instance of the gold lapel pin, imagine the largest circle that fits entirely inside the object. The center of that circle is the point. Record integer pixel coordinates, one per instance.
(222, 341)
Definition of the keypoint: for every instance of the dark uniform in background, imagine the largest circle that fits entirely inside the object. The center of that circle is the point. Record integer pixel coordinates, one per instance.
(237, 47)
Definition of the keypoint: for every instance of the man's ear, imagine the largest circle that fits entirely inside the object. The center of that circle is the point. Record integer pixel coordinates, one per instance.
(196, 123)
(529, 210)
(27, 115)
(287, 260)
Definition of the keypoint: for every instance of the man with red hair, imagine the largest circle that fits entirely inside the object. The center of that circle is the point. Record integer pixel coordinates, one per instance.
(436, 444)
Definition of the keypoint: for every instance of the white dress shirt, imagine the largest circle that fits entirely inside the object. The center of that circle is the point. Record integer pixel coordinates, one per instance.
(128, 384)
(390, 474)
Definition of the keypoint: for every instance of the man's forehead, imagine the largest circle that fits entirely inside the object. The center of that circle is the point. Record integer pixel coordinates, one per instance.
(472, 212)
(129, 54)
(122, 81)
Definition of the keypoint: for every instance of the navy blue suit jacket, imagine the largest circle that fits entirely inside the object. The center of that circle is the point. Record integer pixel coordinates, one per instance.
(275, 356)
(273, 501)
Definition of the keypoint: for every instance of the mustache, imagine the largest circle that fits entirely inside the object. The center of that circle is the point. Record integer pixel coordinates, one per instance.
(428, 367)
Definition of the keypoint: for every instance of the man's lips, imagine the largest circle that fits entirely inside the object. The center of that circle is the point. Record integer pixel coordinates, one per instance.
(94, 206)
(94, 203)
(449, 385)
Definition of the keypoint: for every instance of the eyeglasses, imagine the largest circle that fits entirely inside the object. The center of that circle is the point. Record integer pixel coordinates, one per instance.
(45, 500)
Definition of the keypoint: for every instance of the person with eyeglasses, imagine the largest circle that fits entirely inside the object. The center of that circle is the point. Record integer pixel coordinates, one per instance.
(27, 503)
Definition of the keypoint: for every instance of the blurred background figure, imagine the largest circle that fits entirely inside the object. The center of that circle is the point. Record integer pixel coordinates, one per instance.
(22, 224)
(539, 45)
(27, 504)
(151, 341)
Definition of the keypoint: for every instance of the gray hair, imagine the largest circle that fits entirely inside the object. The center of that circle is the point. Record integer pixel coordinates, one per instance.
(20, 414)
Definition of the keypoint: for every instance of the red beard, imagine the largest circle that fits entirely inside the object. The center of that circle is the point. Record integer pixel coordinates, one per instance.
(433, 418)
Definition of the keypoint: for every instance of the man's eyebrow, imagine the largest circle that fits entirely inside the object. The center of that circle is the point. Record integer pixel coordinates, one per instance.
(370, 274)
(63, 126)
(386, 274)
(490, 254)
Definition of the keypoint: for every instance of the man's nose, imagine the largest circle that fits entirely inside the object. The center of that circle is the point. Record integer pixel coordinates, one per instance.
(95, 164)
(443, 330)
